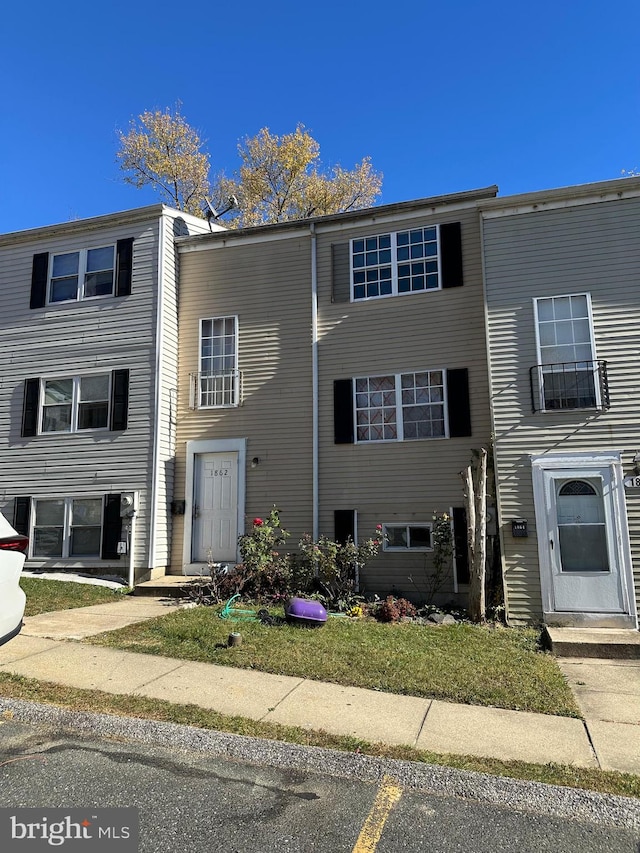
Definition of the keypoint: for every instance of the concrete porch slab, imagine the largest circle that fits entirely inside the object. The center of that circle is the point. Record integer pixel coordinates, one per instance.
(353, 711)
(165, 585)
(506, 735)
(593, 642)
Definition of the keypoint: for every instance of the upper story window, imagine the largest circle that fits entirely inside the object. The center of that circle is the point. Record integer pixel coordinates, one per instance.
(218, 381)
(70, 404)
(402, 406)
(82, 275)
(567, 375)
(399, 262)
(75, 403)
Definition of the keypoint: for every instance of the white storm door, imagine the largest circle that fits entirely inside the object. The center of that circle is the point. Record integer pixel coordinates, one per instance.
(215, 509)
(583, 551)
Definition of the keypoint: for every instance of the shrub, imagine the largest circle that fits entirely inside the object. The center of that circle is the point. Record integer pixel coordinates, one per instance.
(331, 566)
(394, 609)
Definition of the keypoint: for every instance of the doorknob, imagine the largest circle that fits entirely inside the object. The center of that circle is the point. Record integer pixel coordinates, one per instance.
(551, 543)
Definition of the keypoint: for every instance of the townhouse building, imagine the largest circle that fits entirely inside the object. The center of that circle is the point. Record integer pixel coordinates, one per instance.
(335, 368)
(562, 270)
(88, 348)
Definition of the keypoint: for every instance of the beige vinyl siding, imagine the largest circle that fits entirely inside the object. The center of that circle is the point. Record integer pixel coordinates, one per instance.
(401, 482)
(74, 338)
(591, 248)
(267, 286)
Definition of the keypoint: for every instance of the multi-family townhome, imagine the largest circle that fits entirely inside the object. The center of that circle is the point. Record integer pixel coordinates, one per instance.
(335, 368)
(88, 394)
(562, 271)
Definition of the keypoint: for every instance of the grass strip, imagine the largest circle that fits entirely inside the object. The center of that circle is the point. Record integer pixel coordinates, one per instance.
(95, 701)
(469, 664)
(45, 596)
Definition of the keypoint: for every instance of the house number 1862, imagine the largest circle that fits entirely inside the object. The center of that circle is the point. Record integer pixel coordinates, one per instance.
(221, 472)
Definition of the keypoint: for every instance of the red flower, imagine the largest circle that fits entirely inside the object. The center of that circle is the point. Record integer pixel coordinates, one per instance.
(258, 522)
(378, 527)
(375, 542)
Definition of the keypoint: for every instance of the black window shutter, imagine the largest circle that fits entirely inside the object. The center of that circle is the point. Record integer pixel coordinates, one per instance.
(124, 266)
(343, 411)
(451, 254)
(22, 515)
(344, 523)
(458, 402)
(111, 527)
(119, 399)
(30, 407)
(39, 275)
(340, 281)
(460, 544)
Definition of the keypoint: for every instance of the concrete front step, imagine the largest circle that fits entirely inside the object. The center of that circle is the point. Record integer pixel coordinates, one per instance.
(610, 643)
(167, 585)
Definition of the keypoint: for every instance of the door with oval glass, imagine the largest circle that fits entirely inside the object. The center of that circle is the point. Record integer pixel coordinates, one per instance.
(582, 542)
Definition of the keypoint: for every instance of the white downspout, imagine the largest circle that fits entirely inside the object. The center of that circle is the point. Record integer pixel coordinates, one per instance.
(314, 381)
(132, 541)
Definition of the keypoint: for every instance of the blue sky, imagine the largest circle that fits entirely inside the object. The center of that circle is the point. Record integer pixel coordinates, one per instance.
(443, 96)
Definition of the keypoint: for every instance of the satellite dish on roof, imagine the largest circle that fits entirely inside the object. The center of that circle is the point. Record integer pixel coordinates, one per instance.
(211, 213)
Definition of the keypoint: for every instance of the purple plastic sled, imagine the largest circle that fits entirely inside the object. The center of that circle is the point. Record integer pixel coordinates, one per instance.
(303, 611)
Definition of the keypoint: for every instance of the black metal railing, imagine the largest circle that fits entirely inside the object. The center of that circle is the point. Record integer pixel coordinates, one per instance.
(571, 385)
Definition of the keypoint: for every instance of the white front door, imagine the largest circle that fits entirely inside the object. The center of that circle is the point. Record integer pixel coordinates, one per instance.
(215, 507)
(583, 542)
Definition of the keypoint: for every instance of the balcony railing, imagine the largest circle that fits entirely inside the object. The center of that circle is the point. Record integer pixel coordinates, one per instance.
(215, 390)
(571, 385)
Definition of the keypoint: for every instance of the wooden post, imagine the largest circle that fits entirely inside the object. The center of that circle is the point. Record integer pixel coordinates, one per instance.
(474, 478)
(476, 591)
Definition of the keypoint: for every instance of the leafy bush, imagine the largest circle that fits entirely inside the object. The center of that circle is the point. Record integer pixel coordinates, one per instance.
(393, 609)
(331, 567)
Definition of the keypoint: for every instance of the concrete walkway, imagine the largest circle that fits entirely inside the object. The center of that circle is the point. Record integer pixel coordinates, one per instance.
(608, 693)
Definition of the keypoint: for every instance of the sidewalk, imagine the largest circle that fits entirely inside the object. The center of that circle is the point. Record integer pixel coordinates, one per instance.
(608, 693)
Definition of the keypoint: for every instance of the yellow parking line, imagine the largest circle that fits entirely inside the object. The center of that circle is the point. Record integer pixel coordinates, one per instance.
(388, 795)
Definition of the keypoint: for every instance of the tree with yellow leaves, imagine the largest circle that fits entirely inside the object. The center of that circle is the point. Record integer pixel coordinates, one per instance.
(162, 151)
(280, 177)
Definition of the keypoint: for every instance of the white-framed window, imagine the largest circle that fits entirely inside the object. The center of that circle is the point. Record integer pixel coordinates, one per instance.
(86, 274)
(396, 263)
(568, 373)
(415, 536)
(75, 403)
(218, 382)
(401, 406)
(67, 527)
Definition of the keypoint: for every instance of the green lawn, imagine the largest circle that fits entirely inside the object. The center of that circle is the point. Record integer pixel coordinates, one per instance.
(459, 663)
(43, 596)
